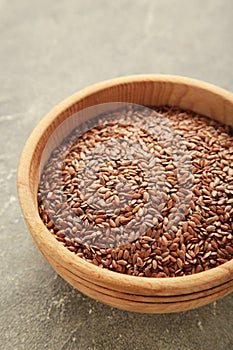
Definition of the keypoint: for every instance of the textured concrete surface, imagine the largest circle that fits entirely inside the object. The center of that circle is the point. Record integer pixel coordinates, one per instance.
(48, 50)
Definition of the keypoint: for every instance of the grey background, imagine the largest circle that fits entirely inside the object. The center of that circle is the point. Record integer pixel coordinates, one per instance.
(48, 50)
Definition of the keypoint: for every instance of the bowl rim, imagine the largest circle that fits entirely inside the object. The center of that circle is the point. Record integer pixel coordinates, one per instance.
(101, 276)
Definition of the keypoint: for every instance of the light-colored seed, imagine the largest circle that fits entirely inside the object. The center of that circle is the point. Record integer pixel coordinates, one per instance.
(140, 212)
(99, 220)
(210, 228)
(139, 262)
(112, 223)
(164, 241)
(107, 194)
(154, 264)
(122, 262)
(174, 197)
(102, 190)
(126, 255)
(136, 195)
(180, 263)
(123, 219)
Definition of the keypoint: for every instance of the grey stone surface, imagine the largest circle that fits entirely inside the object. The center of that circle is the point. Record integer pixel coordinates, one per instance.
(48, 50)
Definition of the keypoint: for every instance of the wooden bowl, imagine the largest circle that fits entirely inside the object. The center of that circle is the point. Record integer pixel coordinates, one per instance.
(141, 294)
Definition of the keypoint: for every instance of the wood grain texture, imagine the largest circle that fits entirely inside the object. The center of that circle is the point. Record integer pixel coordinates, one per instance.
(147, 90)
(147, 307)
(134, 297)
